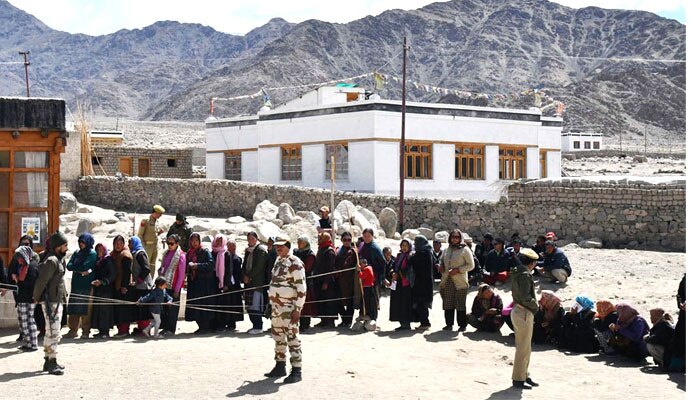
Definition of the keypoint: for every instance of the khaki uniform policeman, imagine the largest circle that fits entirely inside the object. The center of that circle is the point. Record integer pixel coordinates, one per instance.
(148, 233)
(287, 296)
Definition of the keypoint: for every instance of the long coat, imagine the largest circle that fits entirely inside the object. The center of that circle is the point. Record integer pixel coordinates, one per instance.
(200, 282)
(79, 263)
(103, 314)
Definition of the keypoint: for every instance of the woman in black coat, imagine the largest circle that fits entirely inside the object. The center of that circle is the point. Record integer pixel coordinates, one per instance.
(422, 263)
(232, 303)
(578, 334)
(201, 282)
(103, 291)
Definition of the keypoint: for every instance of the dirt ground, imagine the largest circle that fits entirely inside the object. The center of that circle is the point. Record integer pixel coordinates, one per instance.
(341, 364)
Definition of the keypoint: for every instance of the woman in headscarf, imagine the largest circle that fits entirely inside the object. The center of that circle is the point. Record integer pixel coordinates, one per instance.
(222, 320)
(486, 310)
(660, 337)
(307, 256)
(103, 292)
(172, 269)
(456, 262)
(27, 272)
(201, 282)
(604, 316)
(401, 276)
(123, 286)
(422, 263)
(142, 280)
(549, 319)
(233, 277)
(82, 264)
(348, 282)
(325, 285)
(578, 334)
(11, 278)
(628, 332)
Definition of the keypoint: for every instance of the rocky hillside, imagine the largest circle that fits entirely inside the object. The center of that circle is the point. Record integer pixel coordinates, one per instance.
(169, 70)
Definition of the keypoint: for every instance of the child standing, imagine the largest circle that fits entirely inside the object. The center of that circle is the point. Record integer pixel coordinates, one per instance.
(157, 296)
(367, 278)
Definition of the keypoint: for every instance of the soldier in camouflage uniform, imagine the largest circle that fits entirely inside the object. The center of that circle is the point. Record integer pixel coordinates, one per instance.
(148, 233)
(287, 295)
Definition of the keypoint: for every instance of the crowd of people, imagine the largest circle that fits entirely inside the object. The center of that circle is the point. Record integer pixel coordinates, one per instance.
(123, 286)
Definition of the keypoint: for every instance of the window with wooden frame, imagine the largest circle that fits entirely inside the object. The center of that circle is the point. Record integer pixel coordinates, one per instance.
(587, 145)
(340, 153)
(512, 163)
(233, 166)
(291, 163)
(543, 163)
(596, 145)
(469, 161)
(577, 144)
(418, 160)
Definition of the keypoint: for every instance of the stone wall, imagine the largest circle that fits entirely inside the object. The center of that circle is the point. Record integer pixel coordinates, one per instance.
(109, 157)
(70, 162)
(633, 214)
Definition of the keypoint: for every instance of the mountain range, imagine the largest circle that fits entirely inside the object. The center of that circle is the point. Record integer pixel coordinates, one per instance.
(599, 62)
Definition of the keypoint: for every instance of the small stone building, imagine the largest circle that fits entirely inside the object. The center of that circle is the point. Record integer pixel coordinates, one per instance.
(581, 141)
(143, 162)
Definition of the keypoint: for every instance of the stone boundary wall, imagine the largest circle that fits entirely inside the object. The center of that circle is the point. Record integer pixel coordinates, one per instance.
(110, 155)
(623, 214)
(618, 153)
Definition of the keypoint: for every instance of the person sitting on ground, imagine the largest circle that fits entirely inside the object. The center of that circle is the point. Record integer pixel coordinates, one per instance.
(486, 310)
(437, 254)
(578, 334)
(549, 319)
(628, 333)
(156, 297)
(605, 315)
(368, 311)
(505, 313)
(483, 248)
(515, 245)
(540, 248)
(660, 337)
(555, 266)
(475, 275)
(497, 264)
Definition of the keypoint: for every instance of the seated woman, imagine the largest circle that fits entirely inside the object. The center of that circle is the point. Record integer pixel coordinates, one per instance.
(486, 310)
(506, 315)
(548, 320)
(660, 337)
(628, 333)
(578, 334)
(605, 315)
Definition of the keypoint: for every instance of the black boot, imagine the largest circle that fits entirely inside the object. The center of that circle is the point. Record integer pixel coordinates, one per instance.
(54, 369)
(520, 385)
(531, 382)
(47, 364)
(279, 371)
(294, 376)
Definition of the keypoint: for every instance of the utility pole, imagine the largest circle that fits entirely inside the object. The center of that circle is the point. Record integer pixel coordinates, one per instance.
(26, 68)
(402, 144)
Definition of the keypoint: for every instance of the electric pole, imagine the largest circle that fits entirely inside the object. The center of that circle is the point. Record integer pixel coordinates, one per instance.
(402, 144)
(26, 68)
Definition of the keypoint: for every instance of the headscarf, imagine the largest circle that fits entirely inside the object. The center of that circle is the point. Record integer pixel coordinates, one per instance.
(550, 303)
(26, 253)
(192, 252)
(422, 244)
(402, 257)
(603, 309)
(458, 245)
(135, 245)
(220, 258)
(584, 303)
(106, 252)
(325, 241)
(625, 314)
(82, 254)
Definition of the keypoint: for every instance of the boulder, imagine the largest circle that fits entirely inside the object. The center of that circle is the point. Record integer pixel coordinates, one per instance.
(68, 218)
(278, 222)
(346, 210)
(265, 230)
(442, 236)
(286, 213)
(199, 227)
(594, 243)
(427, 232)
(265, 211)
(361, 222)
(121, 216)
(68, 202)
(388, 220)
(303, 227)
(298, 219)
(310, 216)
(570, 246)
(410, 234)
(83, 209)
(639, 159)
(88, 224)
(397, 236)
(236, 220)
(110, 220)
(370, 216)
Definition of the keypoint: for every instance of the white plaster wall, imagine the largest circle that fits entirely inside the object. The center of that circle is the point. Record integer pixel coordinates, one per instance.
(232, 137)
(321, 128)
(533, 163)
(215, 165)
(313, 165)
(491, 163)
(553, 164)
(550, 137)
(249, 166)
(269, 165)
(566, 143)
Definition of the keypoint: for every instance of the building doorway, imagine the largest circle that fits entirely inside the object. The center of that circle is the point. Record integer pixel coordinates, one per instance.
(125, 166)
(144, 167)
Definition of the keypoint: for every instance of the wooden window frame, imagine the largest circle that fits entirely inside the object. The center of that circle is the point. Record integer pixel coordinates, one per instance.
(417, 170)
(587, 145)
(543, 164)
(466, 163)
(596, 145)
(234, 153)
(508, 157)
(290, 156)
(342, 169)
(577, 144)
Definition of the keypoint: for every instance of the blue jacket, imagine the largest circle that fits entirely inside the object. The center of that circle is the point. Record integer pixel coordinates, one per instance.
(373, 254)
(157, 296)
(497, 262)
(556, 260)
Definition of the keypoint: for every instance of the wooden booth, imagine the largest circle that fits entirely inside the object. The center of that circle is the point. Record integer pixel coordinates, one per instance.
(32, 138)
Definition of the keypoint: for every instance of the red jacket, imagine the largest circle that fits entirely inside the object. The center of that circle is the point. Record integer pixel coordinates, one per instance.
(367, 276)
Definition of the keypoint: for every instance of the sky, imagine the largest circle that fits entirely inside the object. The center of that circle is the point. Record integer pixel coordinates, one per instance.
(98, 17)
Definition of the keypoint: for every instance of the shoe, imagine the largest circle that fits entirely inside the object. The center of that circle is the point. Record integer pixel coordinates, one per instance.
(136, 332)
(156, 336)
(71, 335)
(447, 328)
(220, 330)
(403, 328)
(85, 336)
(521, 385)
(462, 329)
(121, 335)
(54, 368)
(531, 382)
(294, 376)
(27, 349)
(47, 364)
(254, 331)
(166, 333)
(278, 371)
(19, 338)
(423, 327)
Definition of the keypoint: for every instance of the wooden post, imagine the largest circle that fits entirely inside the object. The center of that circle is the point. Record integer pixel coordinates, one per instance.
(402, 144)
(332, 197)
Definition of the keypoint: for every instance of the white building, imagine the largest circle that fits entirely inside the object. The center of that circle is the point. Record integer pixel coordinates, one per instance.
(451, 150)
(579, 141)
